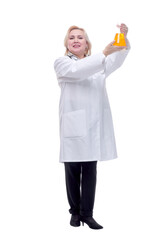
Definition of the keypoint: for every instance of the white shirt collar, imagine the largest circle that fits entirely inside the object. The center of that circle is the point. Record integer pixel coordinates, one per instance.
(72, 56)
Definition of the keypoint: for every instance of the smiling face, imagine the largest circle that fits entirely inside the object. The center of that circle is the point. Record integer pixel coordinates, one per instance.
(77, 43)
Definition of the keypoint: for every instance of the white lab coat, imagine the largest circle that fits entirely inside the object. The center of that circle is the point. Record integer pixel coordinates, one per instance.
(86, 127)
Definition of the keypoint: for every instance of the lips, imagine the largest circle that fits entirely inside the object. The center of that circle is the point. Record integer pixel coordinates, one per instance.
(76, 45)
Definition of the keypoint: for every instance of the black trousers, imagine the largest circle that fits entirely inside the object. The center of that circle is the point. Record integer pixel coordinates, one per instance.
(81, 185)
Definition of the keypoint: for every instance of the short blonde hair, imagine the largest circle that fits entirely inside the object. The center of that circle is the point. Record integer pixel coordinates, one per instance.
(88, 52)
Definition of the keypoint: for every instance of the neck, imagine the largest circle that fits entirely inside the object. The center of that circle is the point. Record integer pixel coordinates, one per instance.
(80, 56)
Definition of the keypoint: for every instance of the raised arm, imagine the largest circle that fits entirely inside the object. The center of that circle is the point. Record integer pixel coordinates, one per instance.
(112, 57)
(115, 60)
(69, 70)
(115, 55)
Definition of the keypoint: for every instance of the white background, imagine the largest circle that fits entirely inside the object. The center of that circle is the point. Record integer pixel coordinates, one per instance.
(33, 202)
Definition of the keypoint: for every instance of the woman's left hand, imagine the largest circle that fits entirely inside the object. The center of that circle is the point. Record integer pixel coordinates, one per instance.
(123, 29)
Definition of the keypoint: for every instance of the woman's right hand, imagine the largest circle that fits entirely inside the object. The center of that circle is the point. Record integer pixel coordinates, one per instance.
(110, 48)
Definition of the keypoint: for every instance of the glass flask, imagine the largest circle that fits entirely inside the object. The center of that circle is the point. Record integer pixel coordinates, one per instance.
(119, 40)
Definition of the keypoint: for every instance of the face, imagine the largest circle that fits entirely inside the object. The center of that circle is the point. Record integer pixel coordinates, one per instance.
(77, 43)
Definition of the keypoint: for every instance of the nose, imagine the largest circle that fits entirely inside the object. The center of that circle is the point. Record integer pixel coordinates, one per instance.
(76, 39)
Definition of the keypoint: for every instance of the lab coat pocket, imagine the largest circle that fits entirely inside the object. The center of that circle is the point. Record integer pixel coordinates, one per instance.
(74, 123)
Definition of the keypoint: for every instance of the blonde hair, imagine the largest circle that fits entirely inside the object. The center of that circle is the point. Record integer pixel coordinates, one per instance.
(88, 52)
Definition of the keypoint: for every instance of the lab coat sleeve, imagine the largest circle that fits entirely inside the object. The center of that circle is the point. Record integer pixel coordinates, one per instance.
(69, 70)
(115, 60)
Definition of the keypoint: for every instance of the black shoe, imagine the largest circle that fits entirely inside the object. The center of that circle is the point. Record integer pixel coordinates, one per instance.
(90, 222)
(75, 221)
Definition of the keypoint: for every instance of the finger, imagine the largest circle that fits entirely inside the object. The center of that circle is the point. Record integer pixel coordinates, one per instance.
(118, 48)
(111, 43)
(122, 47)
(121, 25)
(123, 28)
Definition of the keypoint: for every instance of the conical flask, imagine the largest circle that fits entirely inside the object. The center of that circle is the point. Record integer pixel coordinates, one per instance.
(119, 40)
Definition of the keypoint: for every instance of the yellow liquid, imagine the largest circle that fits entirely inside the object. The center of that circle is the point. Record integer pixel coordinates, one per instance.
(119, 40)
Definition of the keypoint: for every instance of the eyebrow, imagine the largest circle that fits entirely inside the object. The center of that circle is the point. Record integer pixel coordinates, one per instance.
(76, 35)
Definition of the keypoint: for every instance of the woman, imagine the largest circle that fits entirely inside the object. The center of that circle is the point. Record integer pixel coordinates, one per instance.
(86, 129)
